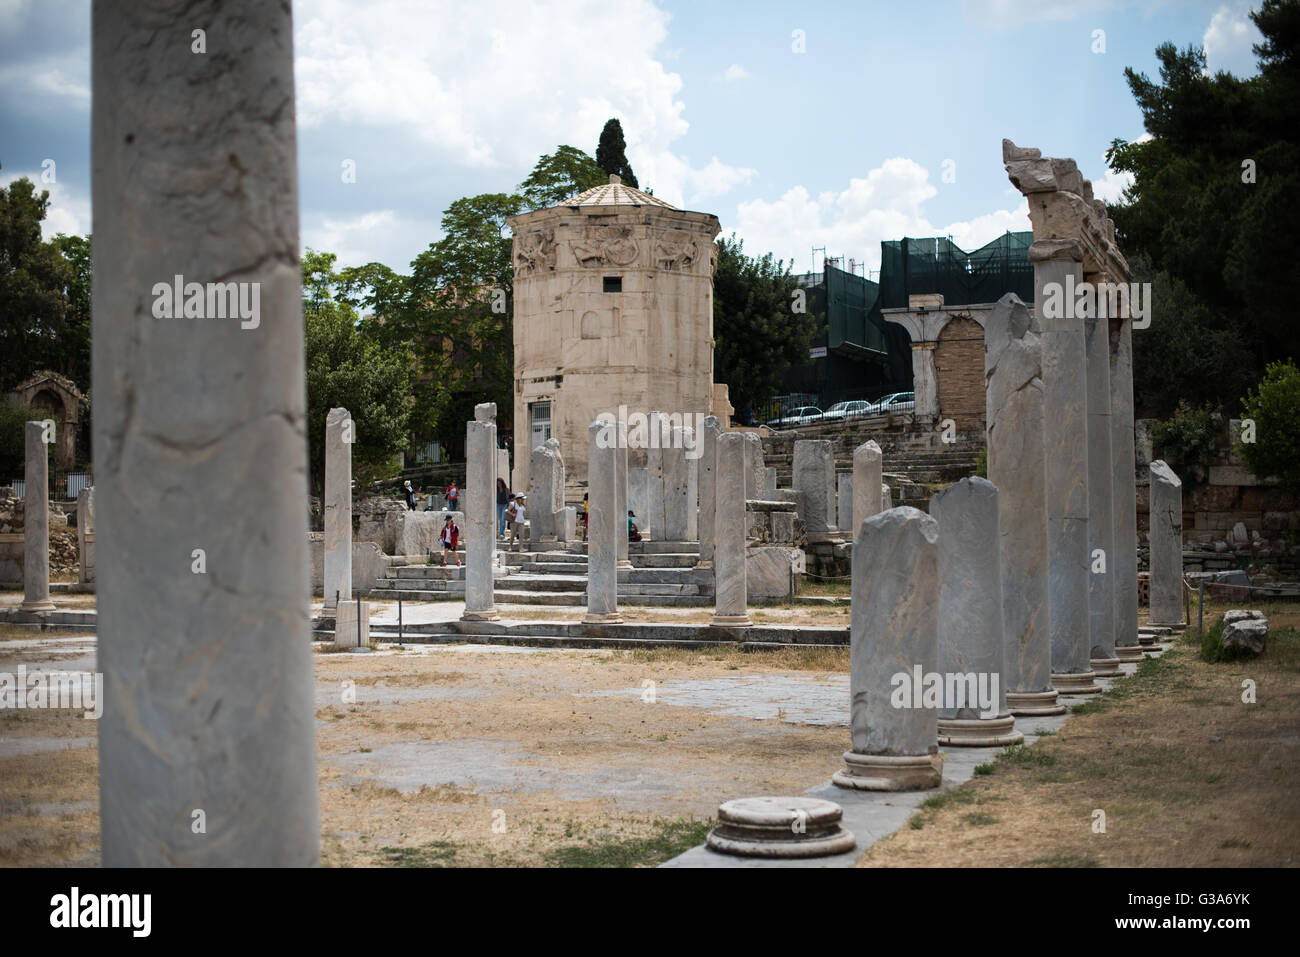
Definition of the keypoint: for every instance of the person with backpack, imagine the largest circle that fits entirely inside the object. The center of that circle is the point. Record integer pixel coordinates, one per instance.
(516, 514)
(450, 539)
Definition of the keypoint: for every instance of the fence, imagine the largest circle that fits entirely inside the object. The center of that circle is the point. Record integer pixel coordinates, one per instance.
(61, 486)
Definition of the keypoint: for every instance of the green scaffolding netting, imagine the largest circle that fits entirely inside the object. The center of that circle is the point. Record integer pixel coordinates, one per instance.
(909, 267)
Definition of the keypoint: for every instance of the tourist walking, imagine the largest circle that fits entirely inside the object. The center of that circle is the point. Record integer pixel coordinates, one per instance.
(453, 497)
(450, 538)
(503, 501)
(516, 513)
(409, 492)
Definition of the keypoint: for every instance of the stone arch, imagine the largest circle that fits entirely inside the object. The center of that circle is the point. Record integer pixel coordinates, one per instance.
(959, 368)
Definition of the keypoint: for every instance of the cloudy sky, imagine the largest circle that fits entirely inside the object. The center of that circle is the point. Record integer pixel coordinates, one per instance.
(834, 125)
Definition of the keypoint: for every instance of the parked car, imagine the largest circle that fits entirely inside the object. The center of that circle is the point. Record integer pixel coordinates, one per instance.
(797, 416)
(850, 409)
(895, 403)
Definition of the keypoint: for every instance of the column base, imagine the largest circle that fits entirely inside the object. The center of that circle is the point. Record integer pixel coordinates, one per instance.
(780, 828)
(1084, 682)
(1171, 625)
(625, 563)
(42, 605)
(890, 772)
(1034, 704)
(1129, 653)
(979, 732)
(703, 564)
(613, 618)
(481, 616)
(1106, 667)
(730, 621)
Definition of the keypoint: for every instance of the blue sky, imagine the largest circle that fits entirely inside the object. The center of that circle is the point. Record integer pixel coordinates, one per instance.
(841, 145)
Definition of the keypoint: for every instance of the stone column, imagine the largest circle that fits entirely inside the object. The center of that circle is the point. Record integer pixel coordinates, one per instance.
(754, 465)
(867, 463)
(1016, 465)
(541, 498)
(86, 535)
(620, 493)
(557, 474)
(844, 501)
(812, 462)
(925, 383)
(971, 636)
(1101, 578)
(893, 632)
(36, 522)
(1065, 402)
(1166, 552)
(676, 486)
(1123, 491)
(602, 525)
(480, 513)
(338, 508)
(886, 497)
(729, 575)
(654, 457)
(769, 482)
(832, 496)
(708, 488)
(200, 445)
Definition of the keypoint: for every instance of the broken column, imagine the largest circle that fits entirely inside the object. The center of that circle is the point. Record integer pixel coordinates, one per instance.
(1166, 552)
(36, 521)
(812, 468)
(1101, 592)
(480, 513)
(620, 493)
(676, 486)
(868, 490)
(602, 524)
(1016, 465)
(844, 501)
(654, 455)
(86, 535)
(541, 500)
(338, 509)
(894, 645)
(971, 637)
(708, 488)
(729, 575)
(201, 446)
(1123, 491)
(754, 465)
(1057, 262)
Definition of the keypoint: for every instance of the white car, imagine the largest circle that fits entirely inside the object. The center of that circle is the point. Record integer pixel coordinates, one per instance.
(849, 409)
(802, 415)
(895, 403)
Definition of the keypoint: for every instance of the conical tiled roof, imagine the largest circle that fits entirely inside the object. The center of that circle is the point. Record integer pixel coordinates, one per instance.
(614, 193)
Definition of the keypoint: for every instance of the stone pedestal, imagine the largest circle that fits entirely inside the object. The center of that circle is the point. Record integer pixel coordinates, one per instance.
(780, 828)
(813, 475)
(36, 522)
(1016, 465)
(86, 535)
(971, 634)
(352, 626)
(894, 632)
(769, 482)
(1101, 590)
(200, 438)
(868, 490)
(541, 498)
(1166, 553)
(708, 488)
(1065, 392)
(480, 513)
(730, 583)
(602, 525)
(338, 508)
(566, 524)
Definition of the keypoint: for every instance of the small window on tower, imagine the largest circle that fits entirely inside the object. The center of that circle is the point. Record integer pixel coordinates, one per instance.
(613, 284)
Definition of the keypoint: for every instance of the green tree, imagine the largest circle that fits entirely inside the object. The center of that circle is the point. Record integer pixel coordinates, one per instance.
(348, 368)
(759, 336)
(13, 437)
(611, 153)
(1274, 408)
(560, 175)
(74, 346)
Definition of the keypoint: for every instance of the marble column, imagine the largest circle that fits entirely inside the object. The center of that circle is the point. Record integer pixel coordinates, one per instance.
(557, 476)
(36, 522)
(1101, 577)
(676, 487)
(925, 383)
(886, 497)
(1166, 551)
(480, 513)
(1123, 491)
(769, 482)
(894, 643)
(1065, 402)
(868, 490)
(708, 488)
(602, 524)
(86, 535)
(654, 456)
(620, 493)
(338, 509)
(1017, 466)
(729, 574)
(754, 465)
(812, 464)
(844, 501)
(540, 506)
(832, 495)
(972, 640)
(200, 438)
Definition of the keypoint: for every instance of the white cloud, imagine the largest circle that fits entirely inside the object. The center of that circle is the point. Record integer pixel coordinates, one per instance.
(887, 204)
(1228, 40)
(1009, 13)
(494, 85)
(375, 236)
(735, 72)
(68, 211)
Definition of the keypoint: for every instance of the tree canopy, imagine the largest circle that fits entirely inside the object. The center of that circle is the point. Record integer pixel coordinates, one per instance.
(611, 155)
(560, 175)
